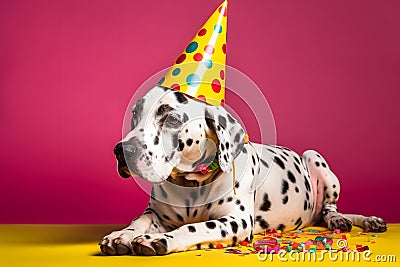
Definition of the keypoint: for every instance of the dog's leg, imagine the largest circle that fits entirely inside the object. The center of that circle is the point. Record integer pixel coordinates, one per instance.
(371, 223)
(120, 242)
(228, 230)
(327, 186)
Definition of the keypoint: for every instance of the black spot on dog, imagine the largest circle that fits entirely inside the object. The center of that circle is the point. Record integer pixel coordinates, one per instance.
(156, 140)
(335, 194)
(327, 196)
(254, 159)
(281, 227)
(241, 207)
(231, 119)
(230, 199)
(307, 184)
(237, 185)
(181, 98)
(179, 217)
(291, 177)
(185, 118)
(166, 217)
(323, 164)
(244, 150)
(263, 224)
(279, 162)
(198, 246)
(227, 145)
(298, 223)
(191, 228)
(181, 145)
(285, 200)
(163, 193)
(202, 189)
(187, 207)
(296, 189)
(222, 220)
(244, 224)
(222, 146)
(317, 163)
(251, 235)
(211, 225)
(297, 160)
(271, 150)
(266, 205)
(209, 206)
(224, 233)
(193, 195)
(222, 121)
(307, 196)
(252, 171)
(297, 167)
(234, 226)
(195, 213)
(305, 205)
(264, 163)
(251, 221)
(189, 142)
(237, 202)
(237, 138)
(211, 245)
(284, 158)
(220, 202)
(334, 186)
(163, 109)
(234, 240)
(285, 187)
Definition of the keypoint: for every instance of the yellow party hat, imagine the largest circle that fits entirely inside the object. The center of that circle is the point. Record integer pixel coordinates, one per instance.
(200, 70)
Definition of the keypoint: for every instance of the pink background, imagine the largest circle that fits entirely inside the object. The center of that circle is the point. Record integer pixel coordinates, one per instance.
(329, 69)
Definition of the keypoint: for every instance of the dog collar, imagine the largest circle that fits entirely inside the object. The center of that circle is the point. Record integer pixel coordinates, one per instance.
(203, 168)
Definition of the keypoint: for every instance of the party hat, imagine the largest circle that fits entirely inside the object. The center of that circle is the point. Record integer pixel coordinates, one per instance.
(200, 70)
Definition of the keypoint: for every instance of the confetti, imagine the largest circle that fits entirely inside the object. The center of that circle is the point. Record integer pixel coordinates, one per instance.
(310, 240)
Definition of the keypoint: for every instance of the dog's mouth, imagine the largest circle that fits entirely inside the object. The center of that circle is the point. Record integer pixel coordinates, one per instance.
(124, 171)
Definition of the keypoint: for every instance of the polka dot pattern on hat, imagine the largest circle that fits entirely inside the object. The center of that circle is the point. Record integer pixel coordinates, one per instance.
(192, 47)
(199, 71)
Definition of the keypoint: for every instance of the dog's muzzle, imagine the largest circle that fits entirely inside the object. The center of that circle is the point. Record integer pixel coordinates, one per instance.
(124, 153)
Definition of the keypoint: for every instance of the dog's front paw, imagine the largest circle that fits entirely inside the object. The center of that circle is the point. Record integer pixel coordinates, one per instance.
(117, 243)
(375, 224)
(150, 245)
(340, 222)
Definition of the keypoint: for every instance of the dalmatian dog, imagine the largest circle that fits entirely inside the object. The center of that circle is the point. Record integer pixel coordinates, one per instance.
(173, 141)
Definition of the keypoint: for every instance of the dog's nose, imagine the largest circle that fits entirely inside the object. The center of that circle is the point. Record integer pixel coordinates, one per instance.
(124, 149)
(118, 149)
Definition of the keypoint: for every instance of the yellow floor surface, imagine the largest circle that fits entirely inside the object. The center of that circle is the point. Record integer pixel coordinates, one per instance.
(76, 245)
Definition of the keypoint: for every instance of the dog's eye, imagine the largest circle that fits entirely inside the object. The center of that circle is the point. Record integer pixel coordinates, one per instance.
(172, 119)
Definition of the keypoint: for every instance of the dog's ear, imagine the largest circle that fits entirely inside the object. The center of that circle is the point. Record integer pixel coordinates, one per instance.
(230, 135)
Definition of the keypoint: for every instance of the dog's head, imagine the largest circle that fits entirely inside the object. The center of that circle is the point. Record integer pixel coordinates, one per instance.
(171, 131)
